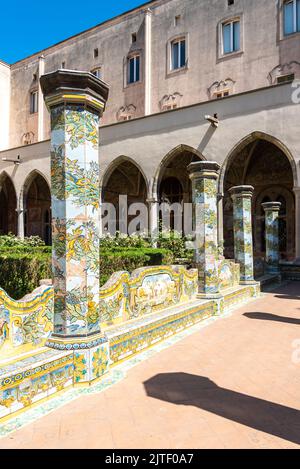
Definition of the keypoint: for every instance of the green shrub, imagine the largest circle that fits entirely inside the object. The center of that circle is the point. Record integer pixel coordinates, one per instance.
(25, 262)
(23, 268)
(21, 272)
(159, 256)
(114, 260)
(11, 240)
(124, 241)
(175, 243)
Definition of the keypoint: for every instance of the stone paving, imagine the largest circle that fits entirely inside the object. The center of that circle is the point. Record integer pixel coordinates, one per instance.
(233, 384)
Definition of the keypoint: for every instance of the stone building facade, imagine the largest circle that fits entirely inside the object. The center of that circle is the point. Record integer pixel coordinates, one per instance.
(170, 63)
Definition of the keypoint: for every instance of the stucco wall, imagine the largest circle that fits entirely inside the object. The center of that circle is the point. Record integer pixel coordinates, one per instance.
(263, 50)
(148, 140)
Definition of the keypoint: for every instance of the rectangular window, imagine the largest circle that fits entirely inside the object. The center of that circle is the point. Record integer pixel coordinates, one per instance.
(221, 94)
(286, 78)
(177, 20)
(134, 69)
(178, 54)
(231, 37)
(291, 17)
(33, 102)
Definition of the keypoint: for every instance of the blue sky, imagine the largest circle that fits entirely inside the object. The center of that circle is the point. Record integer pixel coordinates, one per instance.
(30, 26)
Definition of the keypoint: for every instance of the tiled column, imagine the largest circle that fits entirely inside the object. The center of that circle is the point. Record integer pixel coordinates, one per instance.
(76, 101)
(242, 226)
(204, 176)
(271, 234)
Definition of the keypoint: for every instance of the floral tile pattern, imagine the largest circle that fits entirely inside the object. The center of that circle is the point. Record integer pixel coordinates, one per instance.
(272, 236)
(206, 229)
(25, 325)
(116, 374)
(243, 244)
(75, 208)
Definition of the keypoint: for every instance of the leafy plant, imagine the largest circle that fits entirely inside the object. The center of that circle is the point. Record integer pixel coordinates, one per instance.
(11, 240)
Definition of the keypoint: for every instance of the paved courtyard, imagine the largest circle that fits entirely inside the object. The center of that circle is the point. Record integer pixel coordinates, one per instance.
(232, 384)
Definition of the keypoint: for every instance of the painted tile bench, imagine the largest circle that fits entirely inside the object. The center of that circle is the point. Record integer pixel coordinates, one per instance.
(137, 311)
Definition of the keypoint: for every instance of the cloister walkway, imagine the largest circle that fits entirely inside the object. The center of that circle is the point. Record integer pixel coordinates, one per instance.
(232, 384)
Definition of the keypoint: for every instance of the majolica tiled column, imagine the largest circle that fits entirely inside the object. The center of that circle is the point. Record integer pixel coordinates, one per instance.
(242, 227)
(204, 176)
(76, 101)
(272, 210)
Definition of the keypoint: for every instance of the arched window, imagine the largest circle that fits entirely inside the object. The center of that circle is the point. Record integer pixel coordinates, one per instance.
(171, 190)
(37, 202)
(8, 206)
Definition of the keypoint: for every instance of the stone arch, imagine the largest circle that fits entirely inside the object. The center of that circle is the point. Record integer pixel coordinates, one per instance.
(265, 163)
(179, 150)
(35, 199)
(114, 165)
(124, 176)
(172, 186)
(257, 135)
(8, 205)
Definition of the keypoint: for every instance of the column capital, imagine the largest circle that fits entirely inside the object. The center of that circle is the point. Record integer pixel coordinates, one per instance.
(152, 200)
(204, 169)
(241, 191)
(74, 87)
(271, 206)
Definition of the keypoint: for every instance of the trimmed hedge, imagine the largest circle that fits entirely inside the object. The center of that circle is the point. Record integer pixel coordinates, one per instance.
(130, 259)
(22, 268)
(20, 272)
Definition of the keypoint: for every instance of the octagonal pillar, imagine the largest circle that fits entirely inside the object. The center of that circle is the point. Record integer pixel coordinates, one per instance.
(76, 101)
(242, 227)
(204, 176)
(272, 210)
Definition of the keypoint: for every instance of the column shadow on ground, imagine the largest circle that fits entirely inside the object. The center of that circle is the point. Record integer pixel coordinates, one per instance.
(201, 392)
(272, 317)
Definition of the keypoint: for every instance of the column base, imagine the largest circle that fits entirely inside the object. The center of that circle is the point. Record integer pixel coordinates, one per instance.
(248, 282)
(90, 356)
(91, 364)
(218, 300)
(271, 271)
(209, 296)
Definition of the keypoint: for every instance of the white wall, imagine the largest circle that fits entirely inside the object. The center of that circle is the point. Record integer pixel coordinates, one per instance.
(148, 140)
(4, 105)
